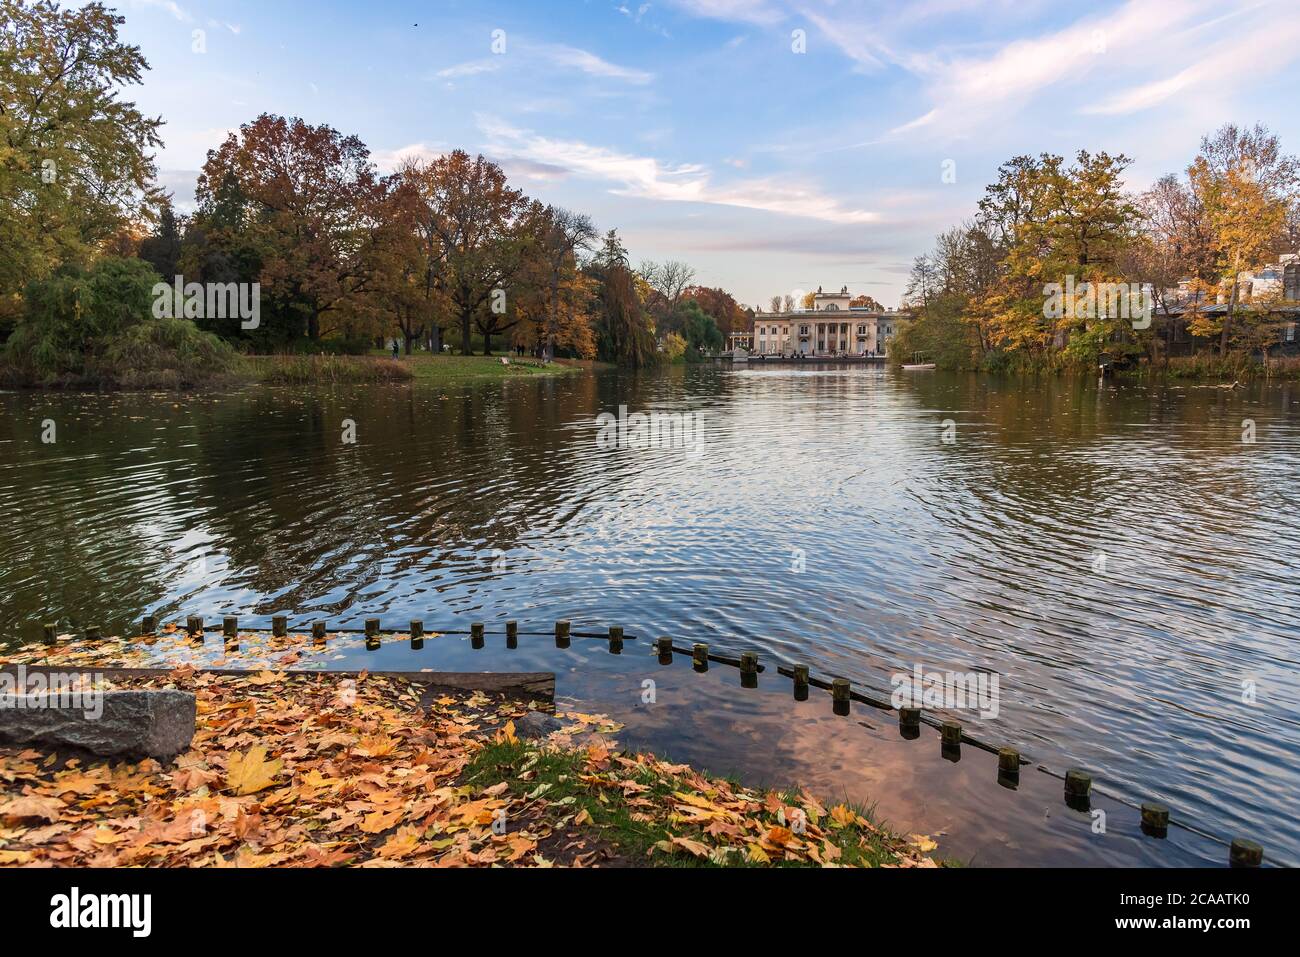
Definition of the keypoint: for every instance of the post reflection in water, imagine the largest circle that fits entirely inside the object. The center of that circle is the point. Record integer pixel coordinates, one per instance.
(1119, 558)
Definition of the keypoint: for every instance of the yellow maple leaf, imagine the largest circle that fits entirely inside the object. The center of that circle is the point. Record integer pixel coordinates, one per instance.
(251, 772)
(378, 821)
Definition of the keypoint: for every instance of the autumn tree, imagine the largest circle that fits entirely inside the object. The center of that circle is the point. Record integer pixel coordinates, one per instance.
(473, 220)
(556, 297)
(75, 159)
(308, 197)
(1246, 188)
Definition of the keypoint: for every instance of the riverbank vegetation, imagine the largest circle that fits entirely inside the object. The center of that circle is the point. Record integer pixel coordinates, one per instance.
(443, 253)
(375, 771)
(981, 297)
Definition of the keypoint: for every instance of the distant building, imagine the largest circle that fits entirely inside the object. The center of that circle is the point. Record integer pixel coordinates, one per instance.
(833, 327)
(1274, 288)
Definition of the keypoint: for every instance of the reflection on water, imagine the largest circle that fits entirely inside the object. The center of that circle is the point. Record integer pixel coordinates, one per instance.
(1118, 557)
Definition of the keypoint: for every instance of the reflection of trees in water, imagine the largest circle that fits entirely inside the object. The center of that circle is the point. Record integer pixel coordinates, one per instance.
(82, 520)
(436, 483)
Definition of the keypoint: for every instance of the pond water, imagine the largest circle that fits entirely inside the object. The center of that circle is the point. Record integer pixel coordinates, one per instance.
(1122, 557)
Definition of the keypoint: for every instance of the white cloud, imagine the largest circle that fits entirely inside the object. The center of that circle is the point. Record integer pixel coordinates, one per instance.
(389, 160)
(592, 65)
(554, 55)
(469, 68)
(647, 178)
(175, 9)
(758, 12)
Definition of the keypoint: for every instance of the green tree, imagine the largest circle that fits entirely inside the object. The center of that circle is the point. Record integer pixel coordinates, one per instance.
(624, 332)
(75, 159)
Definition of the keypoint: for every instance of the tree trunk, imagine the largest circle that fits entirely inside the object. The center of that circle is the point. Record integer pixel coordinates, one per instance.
(466, 346)
(1227, 322)
(487, 343)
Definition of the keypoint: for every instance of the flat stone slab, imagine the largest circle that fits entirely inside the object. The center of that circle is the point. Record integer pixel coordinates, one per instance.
(129, 724)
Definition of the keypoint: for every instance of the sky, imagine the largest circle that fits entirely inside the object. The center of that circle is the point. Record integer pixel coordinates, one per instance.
(775, 146)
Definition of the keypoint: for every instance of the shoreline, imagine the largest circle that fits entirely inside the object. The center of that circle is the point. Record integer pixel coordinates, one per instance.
(314, 771)
(322, 369)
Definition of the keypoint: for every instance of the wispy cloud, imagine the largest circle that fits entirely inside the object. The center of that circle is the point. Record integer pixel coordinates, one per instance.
(758, 12)
(175, 9)
(573, 58)
(555, 56)
(647, 178)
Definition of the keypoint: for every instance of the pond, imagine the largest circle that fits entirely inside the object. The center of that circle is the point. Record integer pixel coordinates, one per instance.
(1122, 557)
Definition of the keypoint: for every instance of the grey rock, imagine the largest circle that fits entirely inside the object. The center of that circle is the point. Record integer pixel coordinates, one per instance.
(128, 724)
(537, 724)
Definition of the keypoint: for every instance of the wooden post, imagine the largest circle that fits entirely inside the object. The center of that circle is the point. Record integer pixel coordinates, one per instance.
(951, 733)
(230, 626)
(840, 700)
(909, 723)
(700, 655)
(194, 626)
(749, 670)
(149, 626)
(50, 633)
(800, 682)
(92, 633)
(476, 635)
(417, 634)
(1155, 819)
(372, 627)
(1078, 784)
(1245, 853)
(512, 634)
(615, 639)
(665, 649)
(279, 626)
(561, 634)
(318, 632)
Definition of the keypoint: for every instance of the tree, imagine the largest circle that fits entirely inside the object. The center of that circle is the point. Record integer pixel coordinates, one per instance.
(698, 329)
(866, 302)
(728, 315)
(75, 161)
(308, 197)
(670, 280)
(162, 249)
(1246, 187)
(555, 296)
(624, 333)
(472, 218)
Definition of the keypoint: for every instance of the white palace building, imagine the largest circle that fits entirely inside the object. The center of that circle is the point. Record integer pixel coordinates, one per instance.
(831, 328)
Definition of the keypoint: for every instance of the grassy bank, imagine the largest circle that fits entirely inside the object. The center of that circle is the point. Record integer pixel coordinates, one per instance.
(431, 370)
(319, 770)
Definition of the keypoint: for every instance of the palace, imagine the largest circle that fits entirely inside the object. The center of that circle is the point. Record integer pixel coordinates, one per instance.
(833, 327)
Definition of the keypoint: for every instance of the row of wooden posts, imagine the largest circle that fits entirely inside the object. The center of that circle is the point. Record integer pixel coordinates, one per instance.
(1155, 818)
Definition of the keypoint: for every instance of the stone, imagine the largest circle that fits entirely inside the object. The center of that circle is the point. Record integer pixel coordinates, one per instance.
(537, 724)
(127, 724)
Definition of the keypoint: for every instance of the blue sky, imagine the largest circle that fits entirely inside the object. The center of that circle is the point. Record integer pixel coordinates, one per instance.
(697, 129)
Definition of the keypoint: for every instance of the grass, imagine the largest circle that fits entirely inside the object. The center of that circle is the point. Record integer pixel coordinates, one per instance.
(432, 370)
(627, 832)
(313, 370)
(452, 370)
